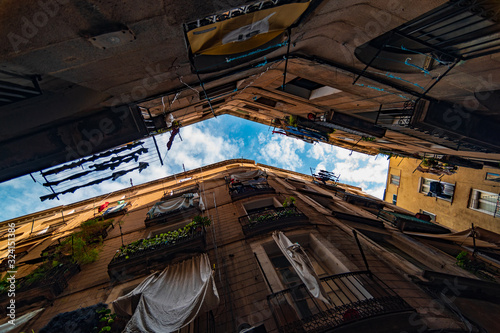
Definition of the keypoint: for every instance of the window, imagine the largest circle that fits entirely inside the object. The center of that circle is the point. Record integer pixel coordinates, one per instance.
(435, 188)
(485, 202)
(261, 204)
(308, 89)
(494, 177)
(394, 199)
(395, 180)
(444, 35)
(16, 87)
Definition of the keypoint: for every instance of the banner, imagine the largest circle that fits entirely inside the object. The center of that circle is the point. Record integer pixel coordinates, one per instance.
(222, 44)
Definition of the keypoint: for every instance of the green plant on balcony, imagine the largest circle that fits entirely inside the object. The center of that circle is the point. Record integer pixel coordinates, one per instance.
(292, 120)
(289, 202)
(169, 237)
(106, 320)
(469, 263)
(200, 220)
(429, 162)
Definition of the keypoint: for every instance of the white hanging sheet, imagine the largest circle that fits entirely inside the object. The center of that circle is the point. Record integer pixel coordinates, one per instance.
(299, 260)
(243, 176)
(170, 300)
(185, 201)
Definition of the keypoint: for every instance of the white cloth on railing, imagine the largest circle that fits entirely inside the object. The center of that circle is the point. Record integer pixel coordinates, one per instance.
(243, 176)
(170, 300)
(184, 201)
(115, 209)
(299, 260)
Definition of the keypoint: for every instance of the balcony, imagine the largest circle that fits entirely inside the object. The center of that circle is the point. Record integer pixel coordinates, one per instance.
(359, 302)
(44, 286)
(179, 192)
(411, 223)
(174, 210)
(269, 219)
(238, 192)
(358, 200)
(147, 254)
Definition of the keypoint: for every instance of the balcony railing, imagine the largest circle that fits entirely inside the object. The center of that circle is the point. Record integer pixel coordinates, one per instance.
(173, 216)
(354, 296)
(245, 191)
(411, 223)
(45, 289)
(143, 255)
(270, 219)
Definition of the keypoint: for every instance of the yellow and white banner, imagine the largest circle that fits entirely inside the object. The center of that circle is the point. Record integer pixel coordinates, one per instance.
(246, 32)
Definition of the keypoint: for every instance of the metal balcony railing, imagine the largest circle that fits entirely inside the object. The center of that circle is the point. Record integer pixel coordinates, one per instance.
(270, 219)
(245, 191)
(353, 296)
(411, 223)
(144, 255)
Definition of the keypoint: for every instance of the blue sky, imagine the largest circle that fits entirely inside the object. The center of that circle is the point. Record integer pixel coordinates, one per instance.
(211, 141)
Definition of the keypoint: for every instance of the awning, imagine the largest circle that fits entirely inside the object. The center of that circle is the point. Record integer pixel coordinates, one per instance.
(170, 300)
(484, 238)
(295, 254)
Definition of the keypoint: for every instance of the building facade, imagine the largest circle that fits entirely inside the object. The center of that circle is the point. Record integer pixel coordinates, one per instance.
(469, 195)
(374, 77)
(371, 277)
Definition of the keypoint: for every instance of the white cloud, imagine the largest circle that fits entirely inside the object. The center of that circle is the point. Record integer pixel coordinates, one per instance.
(281, 151)
(262, 138)
(376, 191)
(200, 146)
(365, 171)
(371, 171)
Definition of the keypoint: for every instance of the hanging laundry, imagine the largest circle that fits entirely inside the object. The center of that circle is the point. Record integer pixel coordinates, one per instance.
(174, 132)
(117, 160)
(114, 176)
(72, 177)
(91, 159)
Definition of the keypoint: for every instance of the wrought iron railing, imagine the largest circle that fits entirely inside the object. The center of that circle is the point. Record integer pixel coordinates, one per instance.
(271, 219)
(353, 296)
(244, 191)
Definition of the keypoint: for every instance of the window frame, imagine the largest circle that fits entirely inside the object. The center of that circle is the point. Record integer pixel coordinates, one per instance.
(394, 177)
(475, 202)
(424, 188)
(254, 205)
(494, 177)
